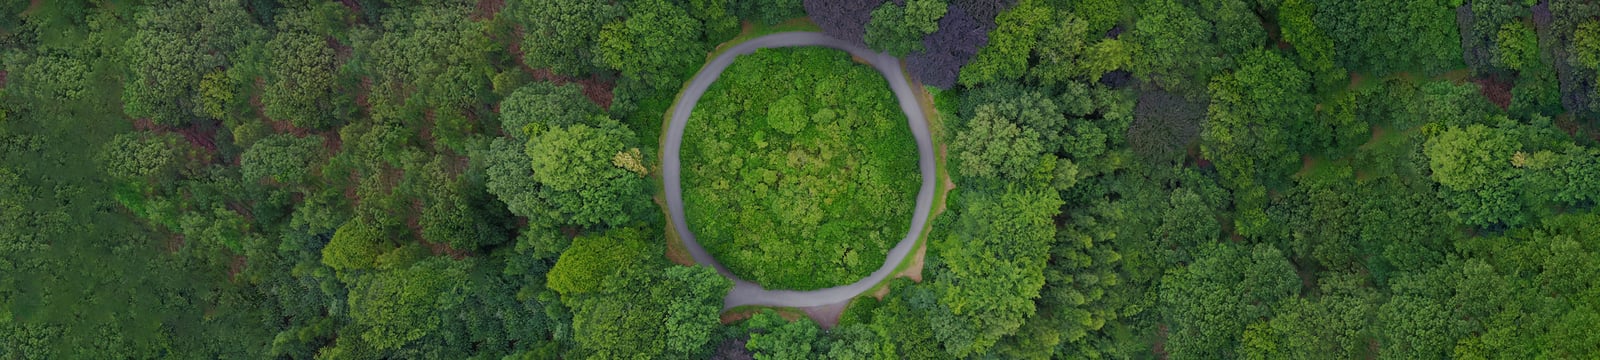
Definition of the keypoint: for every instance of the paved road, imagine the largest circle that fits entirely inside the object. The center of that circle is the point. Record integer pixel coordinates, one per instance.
(745, 292)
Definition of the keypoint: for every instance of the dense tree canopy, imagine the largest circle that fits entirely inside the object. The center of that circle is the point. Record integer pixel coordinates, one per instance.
(672, 36)
(173, 46)
(407, 179)
(993, 261)
(561, 35)
(1390, 36)
(599, 277)
(1258, 116)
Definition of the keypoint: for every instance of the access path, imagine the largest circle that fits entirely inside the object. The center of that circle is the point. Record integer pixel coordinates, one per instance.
(745, 292)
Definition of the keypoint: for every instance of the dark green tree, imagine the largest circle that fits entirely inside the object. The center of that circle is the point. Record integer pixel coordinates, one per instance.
(1210, 302)
(658, 43)
(1259, 115)
(283, 159)
(303, 76)
(561, 35)
(173, 46)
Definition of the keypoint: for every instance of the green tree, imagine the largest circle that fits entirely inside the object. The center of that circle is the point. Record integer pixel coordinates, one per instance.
(427, 61)
(788, 115)
(173, 46)
(355, 246)
(401, 306)
(283, 159)
(1237, 28)
(716, 18)
(561, 34)
(1258, 114)
(857, 341)
(1065, 52)
(1569, 177)
(134, 156)
(594, 264)
(303, 79)
(902, 324)
(992, 146)
(627, 302)
(898, 30)
(509, 173)
(657, 43)
(769, 12)
(773, 338)
(1173, 45)
(1388, 36)
(992, 268)
(599, 279)
(1311, 45)
(1210, 302)
(693, 298)
(543, 105)
(1471, 158)
(1476, 163)
(1188, 224)
(583, 184)
(1414, 328)
(454, 211)
(1333, 325)
(1005, 57)
(1516, 47)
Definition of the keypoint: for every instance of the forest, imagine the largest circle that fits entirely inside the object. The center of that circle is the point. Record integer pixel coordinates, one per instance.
(1144, 179)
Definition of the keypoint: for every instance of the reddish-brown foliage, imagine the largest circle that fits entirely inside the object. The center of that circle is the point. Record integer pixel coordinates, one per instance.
(597, 90)
(487, 9)
(1497, 91)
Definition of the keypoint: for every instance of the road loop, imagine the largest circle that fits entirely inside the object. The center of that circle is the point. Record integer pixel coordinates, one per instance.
(745, 292)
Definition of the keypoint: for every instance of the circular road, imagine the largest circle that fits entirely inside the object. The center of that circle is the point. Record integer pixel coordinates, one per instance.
(745, 292)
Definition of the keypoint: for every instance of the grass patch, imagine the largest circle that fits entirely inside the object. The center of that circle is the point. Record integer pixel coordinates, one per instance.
(741, 313)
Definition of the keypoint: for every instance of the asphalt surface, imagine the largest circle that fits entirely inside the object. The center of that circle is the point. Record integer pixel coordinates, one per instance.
(745, 292)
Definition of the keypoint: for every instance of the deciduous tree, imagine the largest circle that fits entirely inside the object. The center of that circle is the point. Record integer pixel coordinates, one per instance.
(584, 186)
(657, 43)
(898, 29)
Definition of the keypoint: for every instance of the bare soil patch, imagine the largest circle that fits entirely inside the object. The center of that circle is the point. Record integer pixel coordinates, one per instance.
(236, 266)
(487, 9)
(826, 316)
(174, 243)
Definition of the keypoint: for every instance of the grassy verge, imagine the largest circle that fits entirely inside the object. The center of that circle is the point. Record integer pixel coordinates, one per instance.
(754, 30)
(740, 313)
